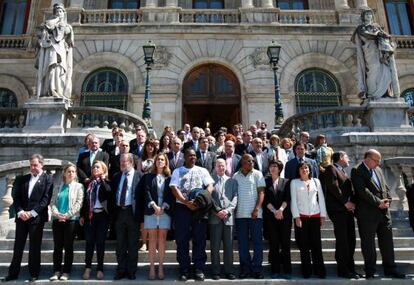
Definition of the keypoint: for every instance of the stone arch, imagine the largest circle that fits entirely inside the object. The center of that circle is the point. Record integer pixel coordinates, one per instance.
(17, 86)
(107, 59)
(321, 61)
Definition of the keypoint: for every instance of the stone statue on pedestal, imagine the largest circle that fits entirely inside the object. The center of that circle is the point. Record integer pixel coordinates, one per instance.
(377, 73)
(54, 56)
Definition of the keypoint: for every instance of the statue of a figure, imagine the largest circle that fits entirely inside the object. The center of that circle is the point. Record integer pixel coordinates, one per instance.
(377, 73)
(54, 59)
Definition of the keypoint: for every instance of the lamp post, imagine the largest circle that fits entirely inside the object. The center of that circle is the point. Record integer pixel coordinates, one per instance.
(149, 49)
(273, 52)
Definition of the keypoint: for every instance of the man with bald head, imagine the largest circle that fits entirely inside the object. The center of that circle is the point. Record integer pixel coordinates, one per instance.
(195, 136)
(373, 214)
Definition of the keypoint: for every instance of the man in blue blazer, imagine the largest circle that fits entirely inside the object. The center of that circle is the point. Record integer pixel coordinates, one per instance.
(128, 214)
(292, 165)
(30, 200)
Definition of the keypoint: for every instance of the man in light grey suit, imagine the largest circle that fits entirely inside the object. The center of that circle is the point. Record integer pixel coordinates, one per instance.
(221, 220)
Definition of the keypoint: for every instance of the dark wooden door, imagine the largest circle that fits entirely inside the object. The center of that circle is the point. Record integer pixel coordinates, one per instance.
(211, 93)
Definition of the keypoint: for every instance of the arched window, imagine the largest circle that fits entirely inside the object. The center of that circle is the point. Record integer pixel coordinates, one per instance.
(7, 98)
(315, 89)
(14, 15)
(408, 96)
(105, 88)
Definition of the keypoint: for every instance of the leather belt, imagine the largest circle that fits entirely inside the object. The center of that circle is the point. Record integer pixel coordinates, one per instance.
(125, 207)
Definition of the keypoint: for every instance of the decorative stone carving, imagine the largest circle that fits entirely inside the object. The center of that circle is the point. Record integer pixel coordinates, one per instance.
(54, 58)
(377, 71)
(259, 58)
(161, 57)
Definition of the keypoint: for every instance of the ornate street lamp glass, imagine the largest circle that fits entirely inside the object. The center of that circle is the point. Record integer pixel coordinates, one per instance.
(149, 49)
(273, 52)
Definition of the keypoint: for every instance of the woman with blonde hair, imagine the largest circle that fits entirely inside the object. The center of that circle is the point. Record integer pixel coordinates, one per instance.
(65, 206)
(158, 205)
(95, 218)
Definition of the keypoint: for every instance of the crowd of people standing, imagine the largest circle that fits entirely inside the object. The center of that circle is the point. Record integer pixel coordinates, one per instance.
(243, 184)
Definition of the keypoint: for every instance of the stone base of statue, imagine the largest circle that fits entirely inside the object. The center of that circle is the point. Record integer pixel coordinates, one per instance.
(46, 115)
(388, 115)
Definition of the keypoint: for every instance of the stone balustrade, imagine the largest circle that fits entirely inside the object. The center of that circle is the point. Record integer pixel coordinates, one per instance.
(8, 174)
(14, 41)
(337, 120)
(404, 42)
(309, 17)
(12, 119)
(210, 16)
(111, 16)
(103, 118)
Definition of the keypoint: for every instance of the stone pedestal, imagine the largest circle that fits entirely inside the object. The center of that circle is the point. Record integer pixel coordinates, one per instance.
(388, 115)
(341, 4)
(247, 4)
(362, 4)
(46, 115)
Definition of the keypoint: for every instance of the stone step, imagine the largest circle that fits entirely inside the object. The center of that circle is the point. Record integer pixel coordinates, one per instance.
(170, 256)
(47, 243)
(171, 272)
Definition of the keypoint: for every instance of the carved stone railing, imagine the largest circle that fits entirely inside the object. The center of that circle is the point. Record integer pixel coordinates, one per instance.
(310, 17)
(404, 42)
(12, 119)
(8, 174)
(14, 41)
(104, 118)
(111, 16)
(402, 169)
(210, 16)
(339, 120)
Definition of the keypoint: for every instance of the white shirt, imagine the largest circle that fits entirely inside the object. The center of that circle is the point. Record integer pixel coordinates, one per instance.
(307, 201)
(92, 156)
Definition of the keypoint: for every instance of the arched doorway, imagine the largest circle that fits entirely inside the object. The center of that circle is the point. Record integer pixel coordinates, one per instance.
(211, 95)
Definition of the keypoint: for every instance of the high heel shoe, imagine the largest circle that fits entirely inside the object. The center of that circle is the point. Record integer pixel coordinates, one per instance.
(151, 274)
(161, 274)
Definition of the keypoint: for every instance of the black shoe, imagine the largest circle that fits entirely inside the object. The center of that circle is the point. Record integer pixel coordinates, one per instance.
(9, 278)
(215, 277)
(244, 275)
(131, 276)
(230, 276)
(119, 275)
(33, 278)
(369, 276)
(348, 275)
(183, 277)
(199, 275)
(395, 275)
(258, 275)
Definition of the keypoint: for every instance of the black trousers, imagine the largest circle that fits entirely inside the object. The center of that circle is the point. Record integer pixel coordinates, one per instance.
(95, 234)
(35, 233)
(63, 237)
(381, 227)
(308, 238)
(345, 239)
(279, 244)
(127, 232)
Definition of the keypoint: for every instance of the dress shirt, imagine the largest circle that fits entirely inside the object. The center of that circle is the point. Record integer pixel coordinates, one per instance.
(373, 175)
(128, 195)
(307, 200)
(229, 165)
(259, 160)
(92, 156)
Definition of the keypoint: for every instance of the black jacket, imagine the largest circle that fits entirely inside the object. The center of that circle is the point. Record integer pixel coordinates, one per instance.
(148, 186)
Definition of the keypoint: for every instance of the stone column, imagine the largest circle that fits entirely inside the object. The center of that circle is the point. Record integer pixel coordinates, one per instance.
(76, 4)
(267, 4)
(341, 4)
(171, 3)
(361, 4)
(247, 4)
(151, 3)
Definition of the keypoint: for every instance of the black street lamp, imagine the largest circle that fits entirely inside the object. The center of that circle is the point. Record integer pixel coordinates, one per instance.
(149, 50)
(273, 52)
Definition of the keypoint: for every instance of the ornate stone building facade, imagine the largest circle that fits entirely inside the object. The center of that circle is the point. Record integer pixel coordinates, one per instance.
(210, 62)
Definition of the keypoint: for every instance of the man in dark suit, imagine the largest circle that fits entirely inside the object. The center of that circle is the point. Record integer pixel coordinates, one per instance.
(205, 158)
(246, 146)
(232, 160)
(221, 220)
(128, 214)
(291, 167)
(175, 156)
(193, 143)
(136, 146)
(86, 160)
(30, 200)
(109, 145)
(304, 137)
(115, 161)
(373, 214)
(340, 206)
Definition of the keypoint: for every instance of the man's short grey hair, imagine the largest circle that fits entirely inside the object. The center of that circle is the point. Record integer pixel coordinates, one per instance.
(39, 157)
(129, 156)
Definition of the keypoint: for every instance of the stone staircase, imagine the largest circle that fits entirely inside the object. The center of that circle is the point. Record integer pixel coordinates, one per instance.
(403, 242)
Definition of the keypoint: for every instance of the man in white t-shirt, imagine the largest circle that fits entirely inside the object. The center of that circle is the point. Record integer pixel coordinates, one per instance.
(186, 182)
(249, 221)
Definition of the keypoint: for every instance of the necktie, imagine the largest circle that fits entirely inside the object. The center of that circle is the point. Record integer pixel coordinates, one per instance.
(176, 156)
(300, 160)
(203, 156)
(124, 190)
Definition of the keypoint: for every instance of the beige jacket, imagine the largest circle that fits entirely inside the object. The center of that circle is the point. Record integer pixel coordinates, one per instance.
(75, 199)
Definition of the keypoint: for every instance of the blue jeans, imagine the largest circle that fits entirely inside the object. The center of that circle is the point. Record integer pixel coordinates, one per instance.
(250, 229)
(188, 228)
